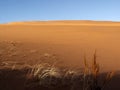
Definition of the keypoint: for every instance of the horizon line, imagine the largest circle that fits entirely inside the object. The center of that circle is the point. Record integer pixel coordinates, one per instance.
(59, 20)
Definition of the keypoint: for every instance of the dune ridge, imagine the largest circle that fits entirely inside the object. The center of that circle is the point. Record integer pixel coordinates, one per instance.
(67, 22)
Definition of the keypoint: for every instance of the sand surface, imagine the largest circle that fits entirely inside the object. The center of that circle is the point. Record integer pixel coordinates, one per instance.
(67, 40)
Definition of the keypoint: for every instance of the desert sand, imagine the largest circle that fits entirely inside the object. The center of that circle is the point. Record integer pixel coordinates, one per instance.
(68, 40)
(64, 42)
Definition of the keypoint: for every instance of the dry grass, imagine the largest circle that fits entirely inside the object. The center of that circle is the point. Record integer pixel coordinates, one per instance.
(91, 75)
(50, 76)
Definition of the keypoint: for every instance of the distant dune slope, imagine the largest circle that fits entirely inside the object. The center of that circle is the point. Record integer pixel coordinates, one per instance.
(69, 22)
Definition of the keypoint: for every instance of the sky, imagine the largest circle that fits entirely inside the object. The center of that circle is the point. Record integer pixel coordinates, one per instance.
(40, 10)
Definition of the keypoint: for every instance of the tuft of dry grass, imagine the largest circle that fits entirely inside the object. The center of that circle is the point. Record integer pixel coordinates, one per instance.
(91, 75)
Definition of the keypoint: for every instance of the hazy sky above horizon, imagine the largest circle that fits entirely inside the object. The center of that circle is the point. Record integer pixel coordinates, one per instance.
(30, 10)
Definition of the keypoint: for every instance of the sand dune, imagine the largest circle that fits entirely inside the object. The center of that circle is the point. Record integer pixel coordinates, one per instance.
(69, 40)
(53, 44)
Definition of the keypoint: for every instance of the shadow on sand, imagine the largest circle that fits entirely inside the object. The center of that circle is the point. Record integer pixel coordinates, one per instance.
(16, 80)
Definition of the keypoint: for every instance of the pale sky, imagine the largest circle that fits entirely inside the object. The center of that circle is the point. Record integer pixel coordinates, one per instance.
(32, 10)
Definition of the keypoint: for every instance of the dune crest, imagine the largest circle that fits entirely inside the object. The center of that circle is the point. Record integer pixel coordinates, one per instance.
(67, 22)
